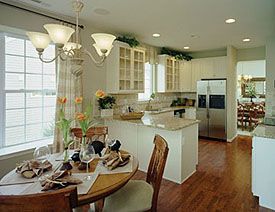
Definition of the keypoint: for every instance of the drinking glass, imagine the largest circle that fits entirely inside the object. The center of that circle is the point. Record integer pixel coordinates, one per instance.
(86, 155)
(109, 140)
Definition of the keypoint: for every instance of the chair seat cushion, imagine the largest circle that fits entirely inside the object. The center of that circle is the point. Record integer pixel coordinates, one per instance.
(135, 196)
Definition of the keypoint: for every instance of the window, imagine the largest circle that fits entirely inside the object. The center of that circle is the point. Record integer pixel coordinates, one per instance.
(28, 92)
(148, 89)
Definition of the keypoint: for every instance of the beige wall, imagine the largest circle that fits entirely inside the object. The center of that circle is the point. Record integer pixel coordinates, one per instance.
(251, 54)
(270, 77)
(231, 93)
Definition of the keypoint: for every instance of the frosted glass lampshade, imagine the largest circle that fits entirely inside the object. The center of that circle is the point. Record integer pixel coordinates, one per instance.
(39, 40)
(99, 52)
(103, 41)
(59, 34)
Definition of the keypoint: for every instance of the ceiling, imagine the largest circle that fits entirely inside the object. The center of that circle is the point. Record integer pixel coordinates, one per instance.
(176, 20)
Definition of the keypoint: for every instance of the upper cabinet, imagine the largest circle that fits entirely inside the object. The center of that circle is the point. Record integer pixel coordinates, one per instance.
(203, 68)
(168, 74)
(125, 69)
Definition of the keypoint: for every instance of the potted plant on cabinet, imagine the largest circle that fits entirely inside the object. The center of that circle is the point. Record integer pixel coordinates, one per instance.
(106, 105)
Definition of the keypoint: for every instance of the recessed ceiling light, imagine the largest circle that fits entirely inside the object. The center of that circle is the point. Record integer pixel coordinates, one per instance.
(230, 20)
(246, 39)
(186, 47)
(156, 35)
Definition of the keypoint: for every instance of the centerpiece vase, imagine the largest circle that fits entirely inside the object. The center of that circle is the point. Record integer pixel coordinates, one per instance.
(66, 165)
(83, 166)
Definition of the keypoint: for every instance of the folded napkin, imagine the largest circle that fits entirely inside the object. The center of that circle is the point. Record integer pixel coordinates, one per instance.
(115, 159)
(58, 180)
(32, 168)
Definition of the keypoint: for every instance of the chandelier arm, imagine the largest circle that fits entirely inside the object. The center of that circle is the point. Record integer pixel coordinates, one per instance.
(48, 61)
(103, 57)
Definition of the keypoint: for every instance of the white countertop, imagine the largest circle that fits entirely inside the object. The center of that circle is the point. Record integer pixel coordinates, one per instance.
(265, 131)
(171, 123)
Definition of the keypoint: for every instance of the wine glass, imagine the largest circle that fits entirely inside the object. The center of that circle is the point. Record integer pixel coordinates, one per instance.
(109, 140)
(42, 153)
(86, 155)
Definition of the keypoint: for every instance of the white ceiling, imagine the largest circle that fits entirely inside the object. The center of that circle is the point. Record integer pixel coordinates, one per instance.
(177, 20)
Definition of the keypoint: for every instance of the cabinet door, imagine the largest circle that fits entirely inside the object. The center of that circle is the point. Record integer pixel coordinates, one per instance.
(124, 69)
(138, 71)
(186, 76)
(207, 68)
(169, 74)
(220, 67)
(196, 73)
(176, 76)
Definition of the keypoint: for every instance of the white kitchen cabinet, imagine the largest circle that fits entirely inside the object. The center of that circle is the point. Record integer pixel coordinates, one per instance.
(168, 74)
(196, 73)
(207, 68)
(220, 65)
(125, 69)
(263, 171)
(186, 77)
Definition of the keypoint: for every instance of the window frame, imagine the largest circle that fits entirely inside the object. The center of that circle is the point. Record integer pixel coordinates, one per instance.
(25, 91)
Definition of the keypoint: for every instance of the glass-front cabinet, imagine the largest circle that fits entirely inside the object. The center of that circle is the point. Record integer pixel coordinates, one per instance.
(168, 74)
(125, 69)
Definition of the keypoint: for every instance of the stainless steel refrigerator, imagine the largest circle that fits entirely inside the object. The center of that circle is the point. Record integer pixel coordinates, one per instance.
(211, 108)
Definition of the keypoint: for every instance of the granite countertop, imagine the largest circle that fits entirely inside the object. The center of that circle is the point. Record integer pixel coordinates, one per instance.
(169, 109)
(171, 123)
(265, 131)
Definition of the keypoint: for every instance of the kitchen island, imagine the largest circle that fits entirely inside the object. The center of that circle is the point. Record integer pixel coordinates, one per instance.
(181, 135)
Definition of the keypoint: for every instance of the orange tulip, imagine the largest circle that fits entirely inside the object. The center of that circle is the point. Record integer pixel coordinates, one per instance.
(78, 100)
(100, 94)
(62, 100)
(80, 116)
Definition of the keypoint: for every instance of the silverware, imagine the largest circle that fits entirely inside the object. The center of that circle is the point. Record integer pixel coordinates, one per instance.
(18, 183)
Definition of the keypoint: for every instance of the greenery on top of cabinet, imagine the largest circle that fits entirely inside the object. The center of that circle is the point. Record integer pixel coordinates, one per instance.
(177, 54)
(133, 42)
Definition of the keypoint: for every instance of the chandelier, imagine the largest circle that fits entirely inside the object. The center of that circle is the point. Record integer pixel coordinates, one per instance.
(243, 79)
(73, 52)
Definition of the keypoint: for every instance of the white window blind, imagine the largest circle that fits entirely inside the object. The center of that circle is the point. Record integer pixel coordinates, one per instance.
(148, 87)
(28, 92)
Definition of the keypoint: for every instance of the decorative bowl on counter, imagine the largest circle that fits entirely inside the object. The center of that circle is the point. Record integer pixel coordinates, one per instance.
(132, 115)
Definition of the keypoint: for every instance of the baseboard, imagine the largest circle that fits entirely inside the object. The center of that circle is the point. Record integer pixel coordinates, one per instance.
(175, 181)
(230, 140)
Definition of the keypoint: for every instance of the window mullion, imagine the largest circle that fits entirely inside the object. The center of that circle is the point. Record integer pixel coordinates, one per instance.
(25, 94)
(2, 93)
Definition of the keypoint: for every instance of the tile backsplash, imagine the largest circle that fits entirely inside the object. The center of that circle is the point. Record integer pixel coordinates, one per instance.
(160, 101)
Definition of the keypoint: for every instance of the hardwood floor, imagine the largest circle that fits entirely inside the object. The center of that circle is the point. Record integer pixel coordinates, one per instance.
(222, 181)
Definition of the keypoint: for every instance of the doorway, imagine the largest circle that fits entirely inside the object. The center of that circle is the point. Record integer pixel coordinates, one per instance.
(251, 91)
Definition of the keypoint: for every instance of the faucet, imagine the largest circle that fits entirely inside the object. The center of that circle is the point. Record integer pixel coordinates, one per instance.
(148, 106)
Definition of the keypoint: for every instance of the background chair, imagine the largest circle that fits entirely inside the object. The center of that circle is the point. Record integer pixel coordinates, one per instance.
(55, 201)
(138, 195)
(241, 115)
(256, 115)
(93, 134)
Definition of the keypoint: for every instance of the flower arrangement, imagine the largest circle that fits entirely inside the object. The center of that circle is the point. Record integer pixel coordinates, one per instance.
(65, 126)
(84, 118)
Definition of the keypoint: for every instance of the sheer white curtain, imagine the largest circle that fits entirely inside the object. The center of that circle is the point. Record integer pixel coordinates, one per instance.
(70, 87)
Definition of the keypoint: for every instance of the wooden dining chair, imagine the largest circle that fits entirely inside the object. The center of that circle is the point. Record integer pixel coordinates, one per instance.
(255, 115)
(138, 195)
(92, 134)
(241, 117)
(54, 201)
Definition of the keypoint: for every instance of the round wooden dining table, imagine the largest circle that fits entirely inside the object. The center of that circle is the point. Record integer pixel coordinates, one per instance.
(104, 185)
